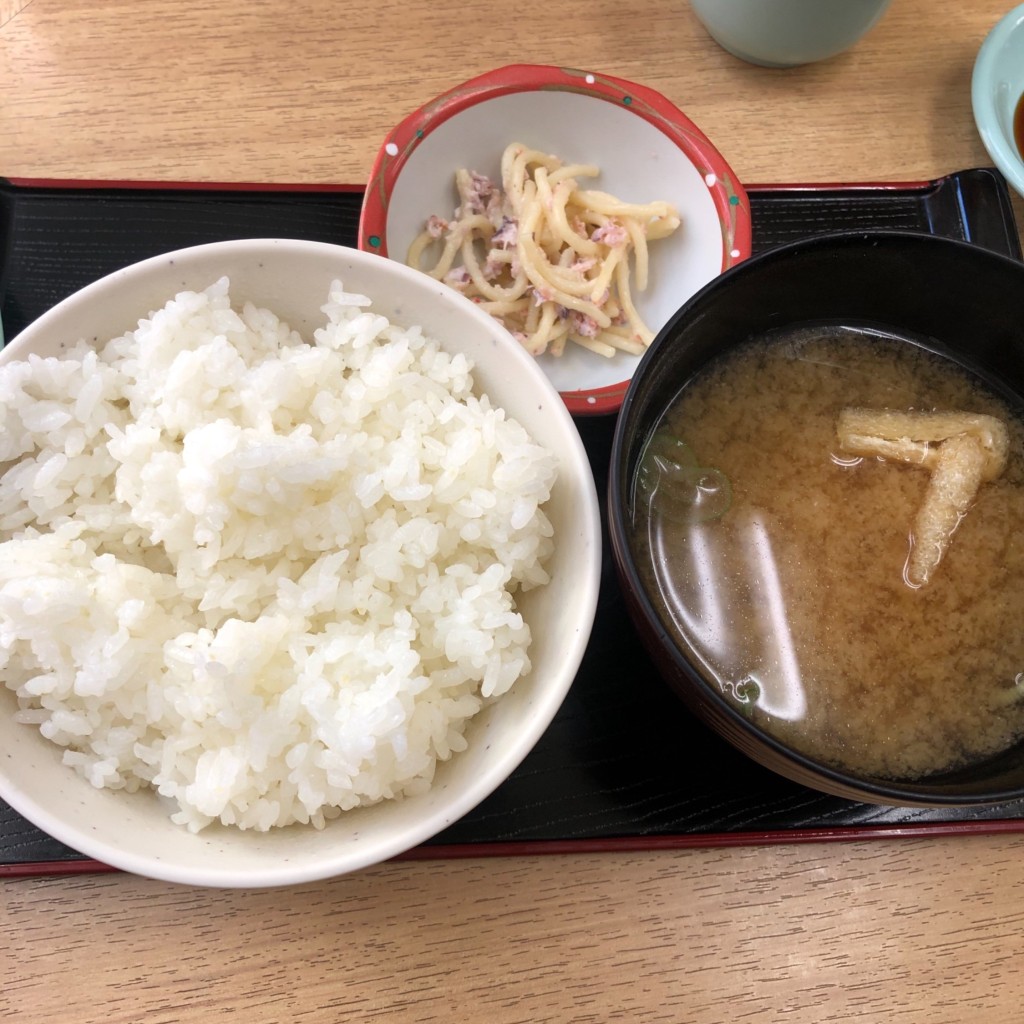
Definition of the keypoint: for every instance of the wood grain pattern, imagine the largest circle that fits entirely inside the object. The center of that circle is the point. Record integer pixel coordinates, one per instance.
(917, 931)
(9, 8)
(923, 932)
(301, 90)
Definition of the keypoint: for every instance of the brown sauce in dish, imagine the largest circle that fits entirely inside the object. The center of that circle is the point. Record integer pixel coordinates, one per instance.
(1018, 126)
(784, 570)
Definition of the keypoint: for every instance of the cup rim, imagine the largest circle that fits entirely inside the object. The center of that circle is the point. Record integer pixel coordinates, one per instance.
(1000, 148)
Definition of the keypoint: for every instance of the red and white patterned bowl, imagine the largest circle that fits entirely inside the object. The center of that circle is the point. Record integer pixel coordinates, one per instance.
(645, 147)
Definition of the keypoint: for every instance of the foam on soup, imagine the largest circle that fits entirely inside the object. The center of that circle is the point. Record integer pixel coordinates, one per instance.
(780, 558)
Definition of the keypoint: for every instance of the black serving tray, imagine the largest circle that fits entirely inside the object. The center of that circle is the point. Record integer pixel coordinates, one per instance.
(623, 765)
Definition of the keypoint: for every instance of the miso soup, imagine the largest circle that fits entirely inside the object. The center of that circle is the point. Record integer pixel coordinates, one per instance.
(781, 559)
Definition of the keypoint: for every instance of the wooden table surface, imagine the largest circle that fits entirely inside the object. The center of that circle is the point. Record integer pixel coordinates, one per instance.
(914, 930)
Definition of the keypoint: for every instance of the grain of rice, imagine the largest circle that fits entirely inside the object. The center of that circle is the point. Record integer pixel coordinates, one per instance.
(272, 579)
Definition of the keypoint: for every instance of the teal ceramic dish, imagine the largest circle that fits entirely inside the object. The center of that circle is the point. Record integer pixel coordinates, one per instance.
(996, 89)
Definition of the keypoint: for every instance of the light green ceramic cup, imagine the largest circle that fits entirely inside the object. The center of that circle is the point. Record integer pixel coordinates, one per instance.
(784, 33)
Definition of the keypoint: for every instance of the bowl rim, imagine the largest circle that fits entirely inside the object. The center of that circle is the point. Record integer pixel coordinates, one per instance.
(839, 782)
(542, 708)
(1001, 149)
(728, 195)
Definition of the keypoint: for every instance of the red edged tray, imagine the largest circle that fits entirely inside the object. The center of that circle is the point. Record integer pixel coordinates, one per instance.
(624, 765)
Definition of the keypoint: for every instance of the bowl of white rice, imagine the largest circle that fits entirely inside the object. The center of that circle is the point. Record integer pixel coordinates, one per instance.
(299, 556)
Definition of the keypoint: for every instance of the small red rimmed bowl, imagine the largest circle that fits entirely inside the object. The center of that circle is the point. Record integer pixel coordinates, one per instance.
(646, 150)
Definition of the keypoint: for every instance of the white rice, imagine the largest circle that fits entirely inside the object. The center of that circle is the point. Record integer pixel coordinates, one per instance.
(271, 579)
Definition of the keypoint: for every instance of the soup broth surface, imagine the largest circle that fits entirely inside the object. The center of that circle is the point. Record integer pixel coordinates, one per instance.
(780, 559)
